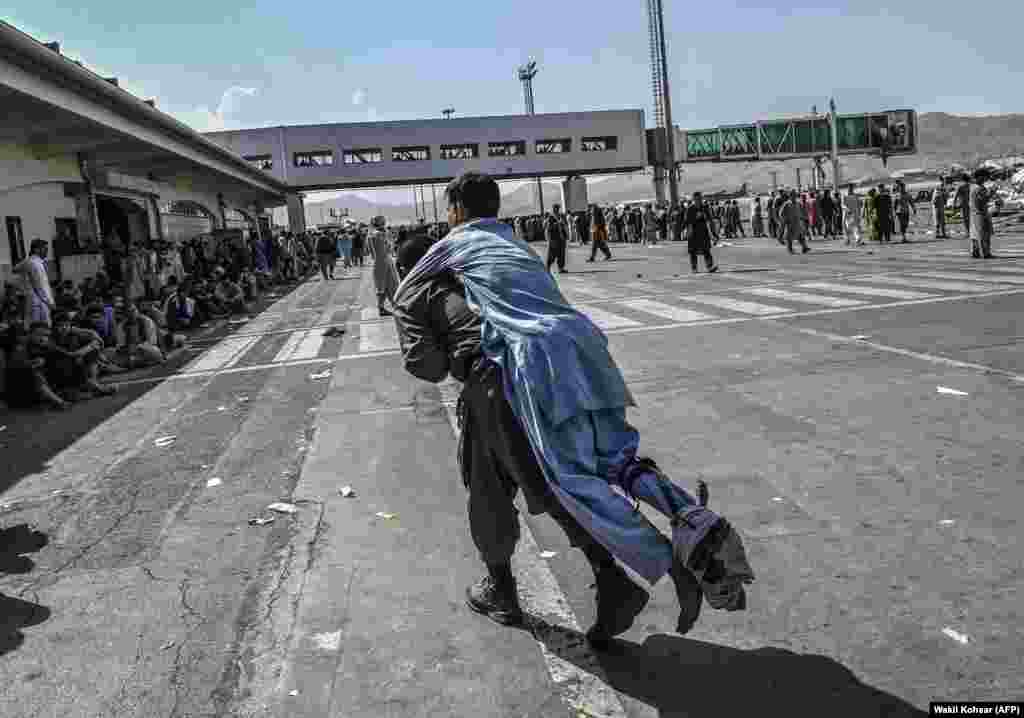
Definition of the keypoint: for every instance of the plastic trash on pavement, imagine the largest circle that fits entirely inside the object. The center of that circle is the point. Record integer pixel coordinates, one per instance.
(960, 638)
(322, 375)
(164, 441)
(213, 482)
(283, 508)
(548, 554)
(347, 491)
(950, 392)
(261, 520)
(386, 515)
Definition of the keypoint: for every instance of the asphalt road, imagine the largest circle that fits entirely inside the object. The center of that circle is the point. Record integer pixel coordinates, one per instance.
(855, 411)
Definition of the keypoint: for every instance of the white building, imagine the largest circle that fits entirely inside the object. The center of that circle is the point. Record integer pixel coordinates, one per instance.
(81, 159)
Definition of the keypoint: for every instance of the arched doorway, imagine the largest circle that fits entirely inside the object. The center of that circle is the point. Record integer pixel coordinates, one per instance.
(185, 219)
(124, 223)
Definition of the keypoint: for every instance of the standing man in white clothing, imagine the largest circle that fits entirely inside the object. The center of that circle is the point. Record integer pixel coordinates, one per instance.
(853, 208)
(40, 302)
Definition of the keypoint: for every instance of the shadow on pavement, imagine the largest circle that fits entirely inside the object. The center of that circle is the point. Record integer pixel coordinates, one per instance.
(681, 677)
(16, 613)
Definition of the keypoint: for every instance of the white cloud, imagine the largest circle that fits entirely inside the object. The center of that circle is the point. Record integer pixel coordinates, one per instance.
(359, 97)
(231, 100)
(203, 119)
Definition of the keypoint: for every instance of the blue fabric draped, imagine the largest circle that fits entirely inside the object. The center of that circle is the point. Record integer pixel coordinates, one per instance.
(564, 387)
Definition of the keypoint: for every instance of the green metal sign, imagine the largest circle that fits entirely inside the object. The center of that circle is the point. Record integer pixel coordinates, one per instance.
(889, 133)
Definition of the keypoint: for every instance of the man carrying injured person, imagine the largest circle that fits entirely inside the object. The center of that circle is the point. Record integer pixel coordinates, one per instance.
(543, 410)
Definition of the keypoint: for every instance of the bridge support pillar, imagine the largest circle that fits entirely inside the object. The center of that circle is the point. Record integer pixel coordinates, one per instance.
(659, 184)
(296, 213)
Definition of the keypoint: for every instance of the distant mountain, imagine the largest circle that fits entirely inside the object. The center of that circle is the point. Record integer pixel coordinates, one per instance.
(944, 139)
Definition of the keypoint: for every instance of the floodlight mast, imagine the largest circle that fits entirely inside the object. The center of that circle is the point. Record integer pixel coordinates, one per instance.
(526, 73)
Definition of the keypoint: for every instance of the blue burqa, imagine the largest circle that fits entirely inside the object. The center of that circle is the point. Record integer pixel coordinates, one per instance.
(567, 392)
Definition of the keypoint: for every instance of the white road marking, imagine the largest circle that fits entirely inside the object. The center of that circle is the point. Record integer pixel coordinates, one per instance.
(867, 291)
(303, 344)
(645, 287)
(377, 337)
(735, 305)
(665, 311)
(582, 287)
(932, 284)
(803, 298)
(582, 681)
(970, 277)
(606, 320)
(225, 354)
(1009, 270)
(931, 358)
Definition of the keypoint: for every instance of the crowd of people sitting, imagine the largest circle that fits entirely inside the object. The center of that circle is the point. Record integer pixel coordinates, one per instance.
(66, 342)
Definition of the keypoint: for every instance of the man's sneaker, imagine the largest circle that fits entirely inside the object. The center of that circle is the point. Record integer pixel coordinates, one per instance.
(619, 602)
(498, 603)
(712, 270)
(689, 595)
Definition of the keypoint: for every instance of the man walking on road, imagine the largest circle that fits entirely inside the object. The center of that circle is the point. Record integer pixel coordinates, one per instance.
(981, 220)
(384, 278)
(698, 221)
(791, 223)
(563, 442)
(598, 234)
(903, 205)
(554, 228)
(963, 203)
(853, 208)
(884, 213)
(939, 199)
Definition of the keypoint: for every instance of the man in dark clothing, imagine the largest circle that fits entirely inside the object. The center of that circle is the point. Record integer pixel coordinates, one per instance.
(327, 255)
(440, 334)
(599, 234)
(883, 210)
(554, 228)
(701, 231)
(828, 210)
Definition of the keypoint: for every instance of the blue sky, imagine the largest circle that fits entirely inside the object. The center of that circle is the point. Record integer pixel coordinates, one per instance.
(226, 64)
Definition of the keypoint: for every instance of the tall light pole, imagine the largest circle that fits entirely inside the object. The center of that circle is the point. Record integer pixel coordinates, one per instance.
(662, 101)
(526, 74)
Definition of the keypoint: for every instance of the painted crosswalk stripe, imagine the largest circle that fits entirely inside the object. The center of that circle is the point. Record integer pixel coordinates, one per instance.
(802, 297)
(301, 345)
(225, 354)
(645, 287)
(666, 311)
(735, 305)
(970, 277)
(605, 319)
(589, 290)
(377, 337)
(932, 284)
(866, 291)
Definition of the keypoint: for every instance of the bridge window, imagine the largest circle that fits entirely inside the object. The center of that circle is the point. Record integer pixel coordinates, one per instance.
(260, 162)
(321, 158)
(553, 147)
(366, 155)
(516, 148)
(410, 154)
(599, 144)
(460, 152)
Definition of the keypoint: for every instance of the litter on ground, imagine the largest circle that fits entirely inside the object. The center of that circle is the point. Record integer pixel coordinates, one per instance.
(334, 332)
(283, 508)
(164, 441)
(950, 392)
(261, 521)
(213, 482)
(386, 515)
(322, 375)
(548, 554)
(347, 491)
(956, 636)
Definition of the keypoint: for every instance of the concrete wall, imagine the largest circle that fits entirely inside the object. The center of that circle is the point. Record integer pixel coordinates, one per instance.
(283, 142)
(37, 206)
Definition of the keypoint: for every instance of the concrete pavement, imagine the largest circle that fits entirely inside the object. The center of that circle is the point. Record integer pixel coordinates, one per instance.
(880, 513)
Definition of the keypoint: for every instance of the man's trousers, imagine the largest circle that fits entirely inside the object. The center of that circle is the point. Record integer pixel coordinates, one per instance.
(556, 253)
(600, 242)
(497, 461)
(940, 221)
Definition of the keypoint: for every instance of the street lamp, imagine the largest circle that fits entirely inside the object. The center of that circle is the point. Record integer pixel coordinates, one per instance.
(526, 73)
